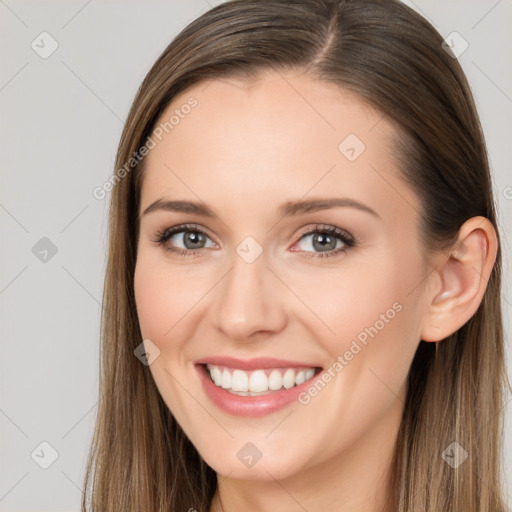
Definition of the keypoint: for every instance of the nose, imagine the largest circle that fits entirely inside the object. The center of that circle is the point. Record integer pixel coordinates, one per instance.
(249, 303)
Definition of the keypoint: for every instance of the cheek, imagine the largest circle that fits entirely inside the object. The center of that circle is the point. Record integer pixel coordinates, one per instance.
(162, 302)
(372, 319)
(170, 301)
(160, 298)
(348, 298)
(152, 302)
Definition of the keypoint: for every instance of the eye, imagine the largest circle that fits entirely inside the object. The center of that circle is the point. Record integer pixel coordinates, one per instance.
(191, 238)
(329, 240)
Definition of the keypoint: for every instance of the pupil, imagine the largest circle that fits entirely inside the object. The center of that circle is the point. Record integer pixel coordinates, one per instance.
(321, 238)
(193, 238)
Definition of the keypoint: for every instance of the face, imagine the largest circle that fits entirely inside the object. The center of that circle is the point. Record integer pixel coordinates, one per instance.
(268, 292)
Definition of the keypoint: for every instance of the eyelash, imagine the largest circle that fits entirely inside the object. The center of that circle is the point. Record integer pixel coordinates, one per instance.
(163, 236)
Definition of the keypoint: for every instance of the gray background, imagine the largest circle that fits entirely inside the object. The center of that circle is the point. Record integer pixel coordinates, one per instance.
(61, 121)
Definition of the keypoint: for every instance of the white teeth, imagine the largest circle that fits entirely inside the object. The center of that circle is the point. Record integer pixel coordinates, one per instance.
(289, 378)
(258, 381)
(275, 381)
(239, 381)
(300, 377)
(216, 375)
(226, 380)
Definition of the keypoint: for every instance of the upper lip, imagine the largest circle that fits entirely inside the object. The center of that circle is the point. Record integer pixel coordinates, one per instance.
(253, 364)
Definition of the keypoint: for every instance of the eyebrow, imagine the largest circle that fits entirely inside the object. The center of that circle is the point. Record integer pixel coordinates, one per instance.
(287, 209)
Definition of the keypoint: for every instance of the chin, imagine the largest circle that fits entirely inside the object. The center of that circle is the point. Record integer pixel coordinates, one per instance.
(266, 468)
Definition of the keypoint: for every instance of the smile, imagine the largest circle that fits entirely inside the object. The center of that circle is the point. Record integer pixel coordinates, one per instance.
(260, 381)
(253, 391)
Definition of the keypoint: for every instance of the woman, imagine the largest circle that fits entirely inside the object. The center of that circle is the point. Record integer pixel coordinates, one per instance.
(302, 299)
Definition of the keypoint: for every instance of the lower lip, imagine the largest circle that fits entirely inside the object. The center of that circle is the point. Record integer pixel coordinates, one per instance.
(251, 406)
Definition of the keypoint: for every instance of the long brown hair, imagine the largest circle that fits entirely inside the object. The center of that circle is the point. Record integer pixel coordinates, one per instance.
(392, 58)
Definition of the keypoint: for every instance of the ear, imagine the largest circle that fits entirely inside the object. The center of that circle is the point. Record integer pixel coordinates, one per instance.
(460, 280)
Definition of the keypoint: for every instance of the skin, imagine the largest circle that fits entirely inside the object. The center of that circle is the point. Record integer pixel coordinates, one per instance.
(245, 149)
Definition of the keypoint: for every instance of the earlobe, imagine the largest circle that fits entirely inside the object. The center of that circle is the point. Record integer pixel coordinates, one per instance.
(463, 276)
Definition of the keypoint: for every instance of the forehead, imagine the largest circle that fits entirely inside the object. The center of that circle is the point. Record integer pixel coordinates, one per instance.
(279, 137)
